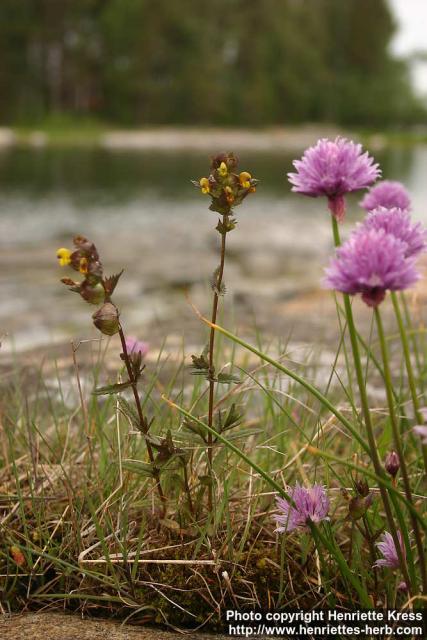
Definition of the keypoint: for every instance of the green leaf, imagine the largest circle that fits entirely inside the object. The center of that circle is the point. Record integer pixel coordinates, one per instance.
(227, 378)
(219, 289)
(194, 428)
(112, 389)
(170, 524)
(129, 412)
(233, 419)
(244, 433)
(200, 362)
(141, 468)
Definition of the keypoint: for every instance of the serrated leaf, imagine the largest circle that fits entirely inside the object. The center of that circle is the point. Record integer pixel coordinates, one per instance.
(110, 283)
(229, 224)
(219, 289)
(194, 428)
(193, 438)
(156, 442)
(112, 389)
(204, 373)
(233, 419)
(200, 362)
(129, 412)
(227, 378)
(177, 456)
(141, 468)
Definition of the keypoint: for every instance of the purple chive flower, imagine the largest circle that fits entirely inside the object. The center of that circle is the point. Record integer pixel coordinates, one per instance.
(398, 223)
(135, 346)
(311, 505)
(421, 431)
(332, 169)
(388, 550)
(371, 262)
(388, 194)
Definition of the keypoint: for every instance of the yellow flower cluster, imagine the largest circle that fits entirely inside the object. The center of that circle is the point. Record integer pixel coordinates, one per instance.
(65, 256)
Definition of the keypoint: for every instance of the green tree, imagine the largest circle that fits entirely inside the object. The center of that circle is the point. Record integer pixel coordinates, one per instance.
(233, 62)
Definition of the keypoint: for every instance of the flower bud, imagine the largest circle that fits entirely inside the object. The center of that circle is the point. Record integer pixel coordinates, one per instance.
(392, 463)
(204, 185)
(362, 487)
(223, 170)
(106, 319)
(245, 179)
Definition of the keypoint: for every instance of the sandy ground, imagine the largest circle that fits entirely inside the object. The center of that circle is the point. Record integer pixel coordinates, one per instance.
(57, 626)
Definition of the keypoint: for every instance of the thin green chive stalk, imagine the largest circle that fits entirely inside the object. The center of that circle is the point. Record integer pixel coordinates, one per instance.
(398, 443)
(333, 549)
(412, 333)
(370, 474)
(409, 367)
(367, 415)
(299, 379)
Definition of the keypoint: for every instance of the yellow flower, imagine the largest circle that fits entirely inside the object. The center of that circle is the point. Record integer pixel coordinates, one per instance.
(204, 184)
(223, 170)
(245, 179)
(229, 194)
(83, 265)
(64, 256)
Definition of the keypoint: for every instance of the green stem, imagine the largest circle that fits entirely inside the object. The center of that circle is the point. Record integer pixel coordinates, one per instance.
(217, 284)
(383, 480)
(304, 383)
(413, 334)
(277, 487)
(398, 443)
(142, 419)
(409, 368)
(367, 416)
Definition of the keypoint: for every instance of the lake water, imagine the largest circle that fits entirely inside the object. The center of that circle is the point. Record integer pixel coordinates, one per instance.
(143, 213)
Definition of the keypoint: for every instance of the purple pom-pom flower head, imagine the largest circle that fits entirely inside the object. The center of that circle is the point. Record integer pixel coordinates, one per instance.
(421, 431)
(388, 194)
(388, 550)
(135, 346)
(333, 168)
(370, 263)
(311, 505)
(398, 223)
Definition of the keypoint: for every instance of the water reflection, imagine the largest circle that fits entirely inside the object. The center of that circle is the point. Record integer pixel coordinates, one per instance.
(144, 213)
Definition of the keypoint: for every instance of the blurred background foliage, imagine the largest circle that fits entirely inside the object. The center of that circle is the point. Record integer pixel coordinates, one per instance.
(228, 62)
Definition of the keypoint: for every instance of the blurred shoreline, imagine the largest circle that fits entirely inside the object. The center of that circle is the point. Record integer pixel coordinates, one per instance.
(170, 138)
